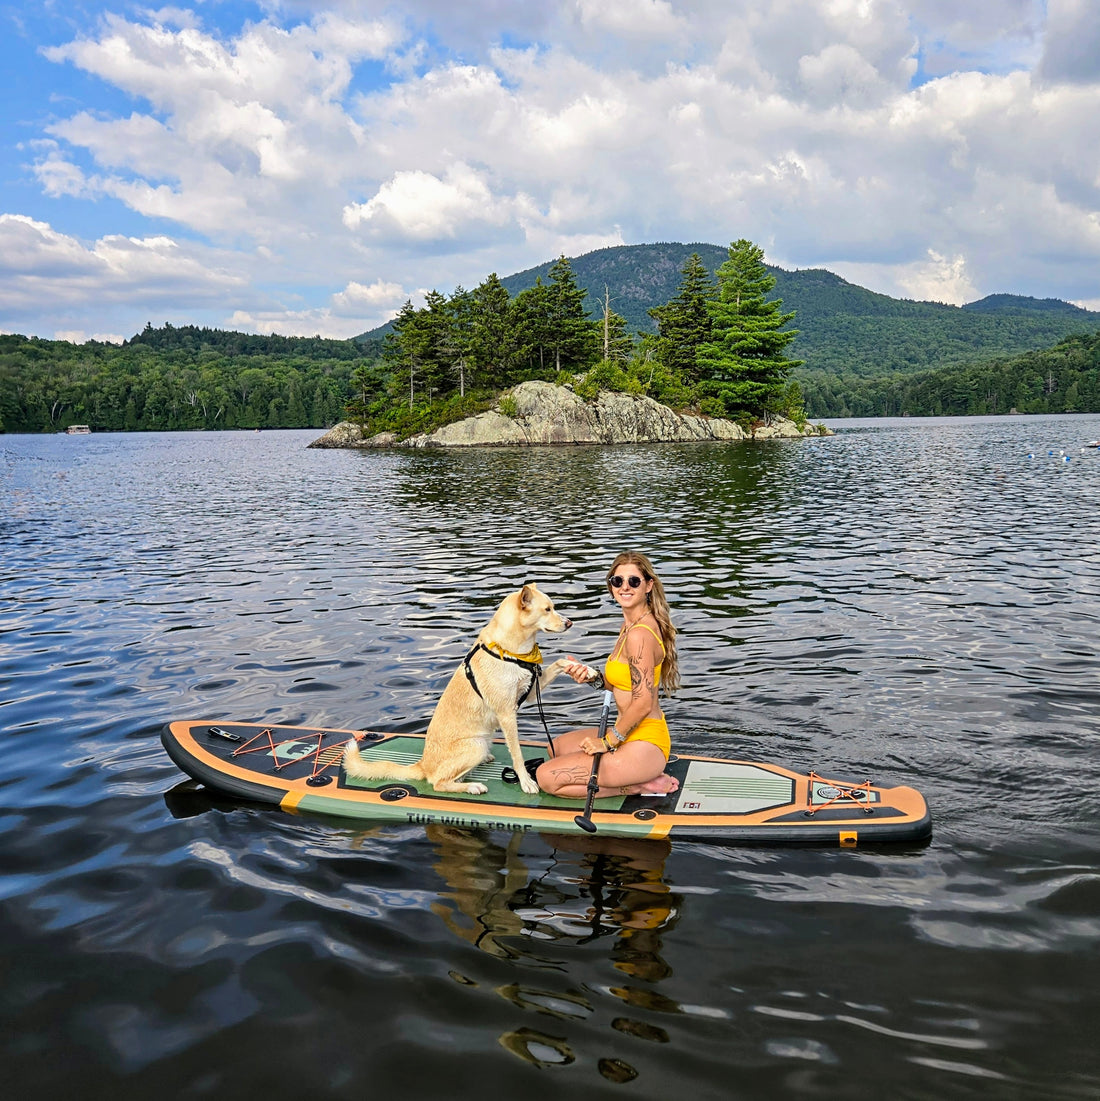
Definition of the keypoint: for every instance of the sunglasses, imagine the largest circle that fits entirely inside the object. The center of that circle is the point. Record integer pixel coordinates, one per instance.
(616, 582)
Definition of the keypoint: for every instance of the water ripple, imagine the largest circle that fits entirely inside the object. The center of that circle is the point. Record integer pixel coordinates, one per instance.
(910, 601)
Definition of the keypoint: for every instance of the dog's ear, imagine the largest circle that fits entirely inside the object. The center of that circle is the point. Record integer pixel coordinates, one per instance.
(527, 594)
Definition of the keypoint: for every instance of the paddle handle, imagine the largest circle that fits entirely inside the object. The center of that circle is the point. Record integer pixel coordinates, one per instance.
(584, 820)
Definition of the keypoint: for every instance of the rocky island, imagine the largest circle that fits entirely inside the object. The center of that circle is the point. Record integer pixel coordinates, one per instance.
(538, 413)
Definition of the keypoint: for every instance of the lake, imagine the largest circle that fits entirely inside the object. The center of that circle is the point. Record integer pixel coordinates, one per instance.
(911, 601)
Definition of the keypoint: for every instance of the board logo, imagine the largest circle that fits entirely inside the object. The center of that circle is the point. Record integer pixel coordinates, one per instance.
(293, 751)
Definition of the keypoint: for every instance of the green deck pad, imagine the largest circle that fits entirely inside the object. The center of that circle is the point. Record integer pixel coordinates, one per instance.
(715, 787)
(407, 751)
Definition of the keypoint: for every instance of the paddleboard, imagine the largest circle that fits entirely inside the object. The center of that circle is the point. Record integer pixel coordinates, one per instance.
(300, 769)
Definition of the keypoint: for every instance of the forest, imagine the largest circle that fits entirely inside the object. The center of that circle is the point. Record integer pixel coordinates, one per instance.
(176, 378)
(1062, 379)
(718, 347)
(645, 319)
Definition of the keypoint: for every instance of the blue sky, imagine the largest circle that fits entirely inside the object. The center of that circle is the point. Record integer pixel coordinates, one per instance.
(306, 167)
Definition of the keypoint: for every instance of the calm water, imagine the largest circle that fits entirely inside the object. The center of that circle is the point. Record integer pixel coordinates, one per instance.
(910, 601)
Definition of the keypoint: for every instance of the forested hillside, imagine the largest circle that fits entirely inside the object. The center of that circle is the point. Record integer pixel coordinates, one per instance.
(1062, 379)
(861, 353)
(175, 378)
(844, 330)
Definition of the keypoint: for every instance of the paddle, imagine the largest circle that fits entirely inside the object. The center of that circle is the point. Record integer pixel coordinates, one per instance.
(584, 820)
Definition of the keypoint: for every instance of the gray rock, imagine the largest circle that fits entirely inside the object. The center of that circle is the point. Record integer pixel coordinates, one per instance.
(549, 414)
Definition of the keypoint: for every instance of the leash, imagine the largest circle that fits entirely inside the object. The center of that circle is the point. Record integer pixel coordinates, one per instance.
(531, 661)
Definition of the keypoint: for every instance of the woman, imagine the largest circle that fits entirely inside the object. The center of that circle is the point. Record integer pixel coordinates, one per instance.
(637, 747)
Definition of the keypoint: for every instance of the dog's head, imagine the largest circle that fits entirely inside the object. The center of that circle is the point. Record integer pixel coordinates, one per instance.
(536, 611)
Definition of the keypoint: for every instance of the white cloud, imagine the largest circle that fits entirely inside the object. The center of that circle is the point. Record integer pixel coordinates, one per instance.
(37, 264)
(419, 206)
(630, 18)
(365, 301)
(351, 150)
(840, 74)
(935, 279)
(1071, 48)
(79, 336)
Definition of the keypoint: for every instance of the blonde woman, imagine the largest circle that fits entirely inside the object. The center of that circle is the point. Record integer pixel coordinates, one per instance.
(643, 659)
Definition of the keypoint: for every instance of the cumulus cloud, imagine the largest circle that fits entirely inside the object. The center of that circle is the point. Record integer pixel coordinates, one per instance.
(342, 155)
(1071, 49)
(631, 18)
(418, 206)
(357, 300)
(119, 275)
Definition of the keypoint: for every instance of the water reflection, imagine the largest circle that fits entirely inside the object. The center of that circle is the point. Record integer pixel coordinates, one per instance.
(913, 602)
(592, 889)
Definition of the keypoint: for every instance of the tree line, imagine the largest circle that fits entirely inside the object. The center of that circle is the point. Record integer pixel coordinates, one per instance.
(719, 347)
(175, 379)
(1061, 379)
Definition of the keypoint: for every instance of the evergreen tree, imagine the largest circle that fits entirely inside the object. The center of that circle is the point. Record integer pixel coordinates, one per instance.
(405, 350)
(494, 341)
(441, 351)
(742, 367)
(616, 343)
(531, 320)
(573, 337)
(460, 310)
(684, 323)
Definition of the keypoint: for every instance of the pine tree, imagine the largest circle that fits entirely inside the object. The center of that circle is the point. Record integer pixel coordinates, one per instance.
(406, 349)
(684, 324)
(494, 341)
(441, 353)
(573, 337)
(530, 313)
(742, 366)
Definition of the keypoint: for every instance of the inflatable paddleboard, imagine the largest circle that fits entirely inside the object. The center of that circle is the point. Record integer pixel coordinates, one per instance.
(301, 769)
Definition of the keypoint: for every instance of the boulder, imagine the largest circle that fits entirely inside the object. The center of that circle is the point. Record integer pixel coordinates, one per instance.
(549, 414)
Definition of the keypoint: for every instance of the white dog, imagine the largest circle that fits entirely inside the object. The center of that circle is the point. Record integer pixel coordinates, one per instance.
(484, 695)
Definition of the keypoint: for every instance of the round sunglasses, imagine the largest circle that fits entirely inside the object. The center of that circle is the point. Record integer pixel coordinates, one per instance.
(616, 582)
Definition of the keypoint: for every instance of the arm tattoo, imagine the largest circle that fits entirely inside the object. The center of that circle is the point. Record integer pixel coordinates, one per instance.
(641, 676)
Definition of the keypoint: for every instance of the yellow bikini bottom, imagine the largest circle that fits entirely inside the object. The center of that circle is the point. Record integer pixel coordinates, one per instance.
(655, 731)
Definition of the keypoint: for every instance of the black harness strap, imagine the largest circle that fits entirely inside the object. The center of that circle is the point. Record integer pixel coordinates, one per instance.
(532, 667)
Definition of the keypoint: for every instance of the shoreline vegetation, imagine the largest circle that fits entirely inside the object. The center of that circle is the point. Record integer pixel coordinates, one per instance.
(717, 348)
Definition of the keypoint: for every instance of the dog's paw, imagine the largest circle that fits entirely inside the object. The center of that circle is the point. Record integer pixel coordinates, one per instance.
(528, 785)
(476, 789)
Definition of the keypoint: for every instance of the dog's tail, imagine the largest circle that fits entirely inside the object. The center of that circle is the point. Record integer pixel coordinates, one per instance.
(358, 769)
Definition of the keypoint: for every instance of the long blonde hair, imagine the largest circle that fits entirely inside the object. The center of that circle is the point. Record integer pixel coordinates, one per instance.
(658, 605)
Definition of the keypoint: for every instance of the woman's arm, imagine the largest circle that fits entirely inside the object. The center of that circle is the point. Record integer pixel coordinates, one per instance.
(641, 659)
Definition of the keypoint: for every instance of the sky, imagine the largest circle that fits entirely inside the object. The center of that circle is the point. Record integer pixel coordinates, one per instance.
(307, 167)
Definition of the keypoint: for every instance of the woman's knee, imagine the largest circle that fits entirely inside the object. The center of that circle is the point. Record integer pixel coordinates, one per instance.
(570, 741)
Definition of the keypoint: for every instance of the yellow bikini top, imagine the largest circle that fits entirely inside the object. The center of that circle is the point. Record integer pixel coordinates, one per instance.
(617, 673)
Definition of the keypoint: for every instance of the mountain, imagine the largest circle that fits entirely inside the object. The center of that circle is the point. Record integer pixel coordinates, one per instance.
(844, 329)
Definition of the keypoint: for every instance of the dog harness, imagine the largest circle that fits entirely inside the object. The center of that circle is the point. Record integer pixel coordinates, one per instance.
(531, 661)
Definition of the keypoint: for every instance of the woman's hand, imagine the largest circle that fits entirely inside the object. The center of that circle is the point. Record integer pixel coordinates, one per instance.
(580, 672)
(594, 746)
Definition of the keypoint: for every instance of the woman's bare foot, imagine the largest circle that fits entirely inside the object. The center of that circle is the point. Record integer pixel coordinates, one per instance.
(659, 785)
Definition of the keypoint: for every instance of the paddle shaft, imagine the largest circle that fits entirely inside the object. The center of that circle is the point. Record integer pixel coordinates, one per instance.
(584, 820)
